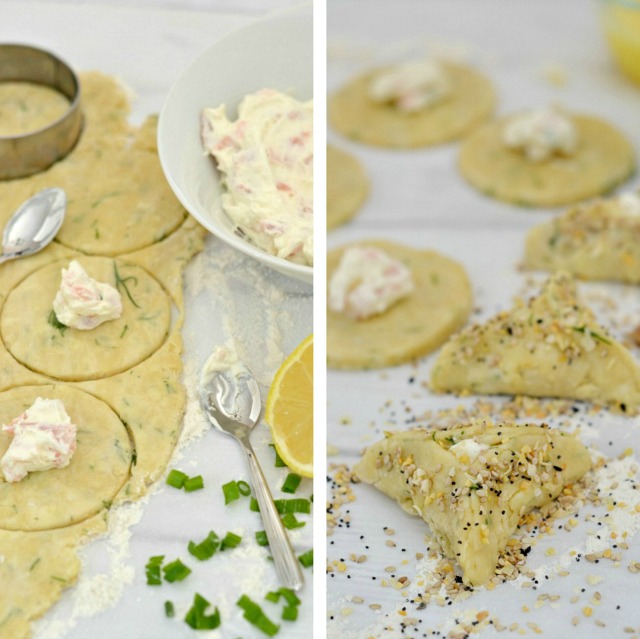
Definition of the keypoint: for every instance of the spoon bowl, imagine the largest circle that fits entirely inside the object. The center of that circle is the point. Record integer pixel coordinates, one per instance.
(230, 398)
(34, 224)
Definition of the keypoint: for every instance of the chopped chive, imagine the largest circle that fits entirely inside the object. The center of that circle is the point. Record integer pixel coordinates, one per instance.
(306, 558)
(196, 617)
(290, 522)
(231, 492)
(261, 538)
(193, 483)
(290, 613)
(254, 615)
(206, 548)
(152, 570)
(122, 281)
(291, 483)
(293, 506)
(175, 571)
(176, 478)
(56, 323)
(253, 505)
(231, 540)
(278, 463)
(169, 610)
(244, 488)
(584, 330)
(273, 596)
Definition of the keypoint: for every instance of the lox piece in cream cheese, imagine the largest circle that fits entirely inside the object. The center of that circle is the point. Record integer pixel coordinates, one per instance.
(367, 282)
(83, 303)
(266, 159)
(43, 438)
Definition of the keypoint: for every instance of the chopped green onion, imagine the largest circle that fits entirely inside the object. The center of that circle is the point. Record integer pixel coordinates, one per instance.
(175, 571)
(244, 488)
(206, 548)
(279, 463)
(194, 483)
(169, 610)
(196, 617)
(293, 506)
(152, 570)
(261, 538)
(253, 505)
(306, 558)
(176, 478)
(230, 540)
(273, 596)
(231, 492)
(290, 596)
(291, 483)
(290, 522)
(290, 613)
(253, 614)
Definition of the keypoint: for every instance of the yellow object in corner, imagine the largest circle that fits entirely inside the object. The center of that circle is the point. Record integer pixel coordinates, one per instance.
(620, 21)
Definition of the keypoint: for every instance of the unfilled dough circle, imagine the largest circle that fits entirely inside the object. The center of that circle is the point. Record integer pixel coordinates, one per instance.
(347, 186)
(76, 355)
(97, 471)
(603, 159)
(416, 325)
(121, 200)
(471, 101)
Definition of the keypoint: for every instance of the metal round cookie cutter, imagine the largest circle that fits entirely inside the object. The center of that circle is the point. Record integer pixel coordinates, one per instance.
(22, 155)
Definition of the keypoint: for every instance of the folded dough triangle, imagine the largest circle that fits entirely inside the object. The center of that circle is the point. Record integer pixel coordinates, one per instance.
(473, 483)
(550, 346)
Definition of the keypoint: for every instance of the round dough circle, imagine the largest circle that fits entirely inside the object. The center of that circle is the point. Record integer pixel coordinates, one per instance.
(97, 471)
(603, 159)
(470, 103)
(347, 186)
(73, 355)
(414, 326)
(121, 200)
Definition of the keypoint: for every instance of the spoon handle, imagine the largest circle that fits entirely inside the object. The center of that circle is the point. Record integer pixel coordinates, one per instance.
(286, 562)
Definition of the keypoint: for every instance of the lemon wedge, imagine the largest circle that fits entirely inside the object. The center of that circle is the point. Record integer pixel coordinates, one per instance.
(289, 410)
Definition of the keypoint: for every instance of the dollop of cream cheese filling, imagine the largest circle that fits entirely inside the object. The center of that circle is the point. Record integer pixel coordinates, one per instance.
(266, 159)
(43, 438)
(367, 282)
(83, 303)
(540, 134)
(411, 86)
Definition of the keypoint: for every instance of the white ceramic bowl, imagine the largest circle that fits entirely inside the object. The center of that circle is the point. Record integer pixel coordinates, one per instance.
(276, 53)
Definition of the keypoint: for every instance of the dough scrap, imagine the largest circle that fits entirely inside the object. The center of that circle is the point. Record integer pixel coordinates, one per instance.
(416, 325)
(36, 341)
(593, 241)
(550, 346)
(347, 186)
(148, 396)
(354, 115)
(604, 158)
(419, 470)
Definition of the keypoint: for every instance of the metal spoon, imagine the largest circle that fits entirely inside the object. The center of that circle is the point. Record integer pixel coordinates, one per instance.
(230, 398)
(34, 224)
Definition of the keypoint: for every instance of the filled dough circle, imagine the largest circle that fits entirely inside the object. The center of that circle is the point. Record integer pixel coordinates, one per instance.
(603, 159)
(471, 101)
(97, 471)
(416, 325)
(74, 355)
(347, 186)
